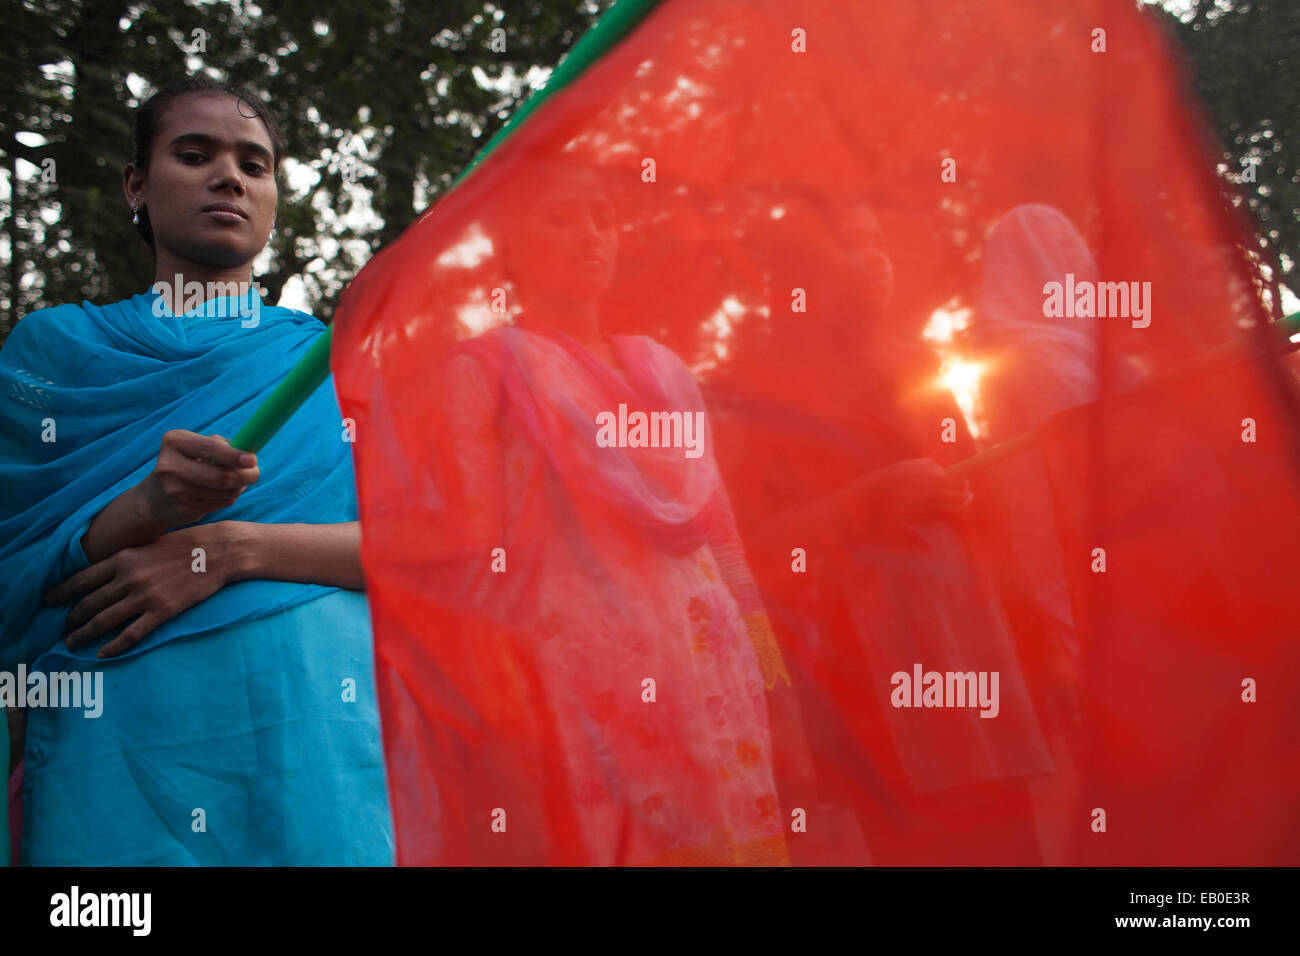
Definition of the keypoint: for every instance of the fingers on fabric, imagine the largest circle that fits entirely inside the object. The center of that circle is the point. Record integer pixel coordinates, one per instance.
(95, 602)
(132, 635)
(113, 616)
(121, 591)
(92, 577)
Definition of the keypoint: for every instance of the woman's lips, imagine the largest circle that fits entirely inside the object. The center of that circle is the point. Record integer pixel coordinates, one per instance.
(221, 215)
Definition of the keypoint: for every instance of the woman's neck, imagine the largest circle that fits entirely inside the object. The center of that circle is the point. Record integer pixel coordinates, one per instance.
(186, 285)
(576, 319)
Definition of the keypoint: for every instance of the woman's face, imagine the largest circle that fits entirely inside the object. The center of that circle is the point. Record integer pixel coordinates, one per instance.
(567, 245)
(206, 152)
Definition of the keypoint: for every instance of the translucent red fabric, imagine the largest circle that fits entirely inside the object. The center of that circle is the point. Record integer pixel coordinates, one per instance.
(653, 413)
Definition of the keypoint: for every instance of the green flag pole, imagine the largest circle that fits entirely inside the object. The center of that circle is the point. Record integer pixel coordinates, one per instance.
(1287, 328)
(314, 367)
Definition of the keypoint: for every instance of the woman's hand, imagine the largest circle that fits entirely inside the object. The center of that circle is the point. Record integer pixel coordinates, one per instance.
(150, 584)
(154, 582)
(917, 489)
(194, 476)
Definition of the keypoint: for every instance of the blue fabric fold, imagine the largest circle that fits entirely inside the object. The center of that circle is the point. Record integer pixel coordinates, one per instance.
(86, 393)
(254, 745)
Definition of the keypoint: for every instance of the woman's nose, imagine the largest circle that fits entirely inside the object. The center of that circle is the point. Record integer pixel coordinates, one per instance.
(230, 177)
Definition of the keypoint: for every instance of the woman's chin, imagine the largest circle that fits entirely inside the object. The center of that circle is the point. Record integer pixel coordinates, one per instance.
(219, 255)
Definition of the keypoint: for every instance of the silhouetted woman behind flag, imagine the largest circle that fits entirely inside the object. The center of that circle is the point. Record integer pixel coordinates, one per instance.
(602, 657)
(844, 466)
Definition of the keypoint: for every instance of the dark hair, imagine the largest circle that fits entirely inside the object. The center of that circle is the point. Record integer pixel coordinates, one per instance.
(148, 119)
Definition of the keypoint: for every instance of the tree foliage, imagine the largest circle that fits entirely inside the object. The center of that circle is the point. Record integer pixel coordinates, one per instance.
(1239, 53)
(408, 90)
(385, 102)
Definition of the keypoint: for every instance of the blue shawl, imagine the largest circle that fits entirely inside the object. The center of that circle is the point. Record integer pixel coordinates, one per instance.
(86, 393)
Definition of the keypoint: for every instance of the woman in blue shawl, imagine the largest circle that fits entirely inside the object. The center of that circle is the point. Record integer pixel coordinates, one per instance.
(215, 594)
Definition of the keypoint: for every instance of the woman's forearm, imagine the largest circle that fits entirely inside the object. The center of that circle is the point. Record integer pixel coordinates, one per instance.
(311, 553)
(126, 522)
(846, 513)
(194, 476)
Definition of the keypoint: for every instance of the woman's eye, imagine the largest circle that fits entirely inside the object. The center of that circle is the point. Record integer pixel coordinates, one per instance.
(186, 157)
(256, 168)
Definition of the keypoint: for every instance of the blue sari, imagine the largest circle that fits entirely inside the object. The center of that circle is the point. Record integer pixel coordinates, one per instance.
(246, 729)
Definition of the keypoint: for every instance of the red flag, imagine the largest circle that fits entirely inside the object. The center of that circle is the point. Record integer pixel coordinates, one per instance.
(652, 410)
(1182, 575)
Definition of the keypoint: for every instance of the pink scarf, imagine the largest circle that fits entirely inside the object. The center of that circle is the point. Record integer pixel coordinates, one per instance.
(554, 388)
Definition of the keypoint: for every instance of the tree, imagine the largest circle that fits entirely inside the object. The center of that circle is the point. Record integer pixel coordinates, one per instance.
(1239, 54)
(409, 91)
(384, 103)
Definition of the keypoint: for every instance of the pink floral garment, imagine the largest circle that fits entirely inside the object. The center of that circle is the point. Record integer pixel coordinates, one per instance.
(622, 568)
